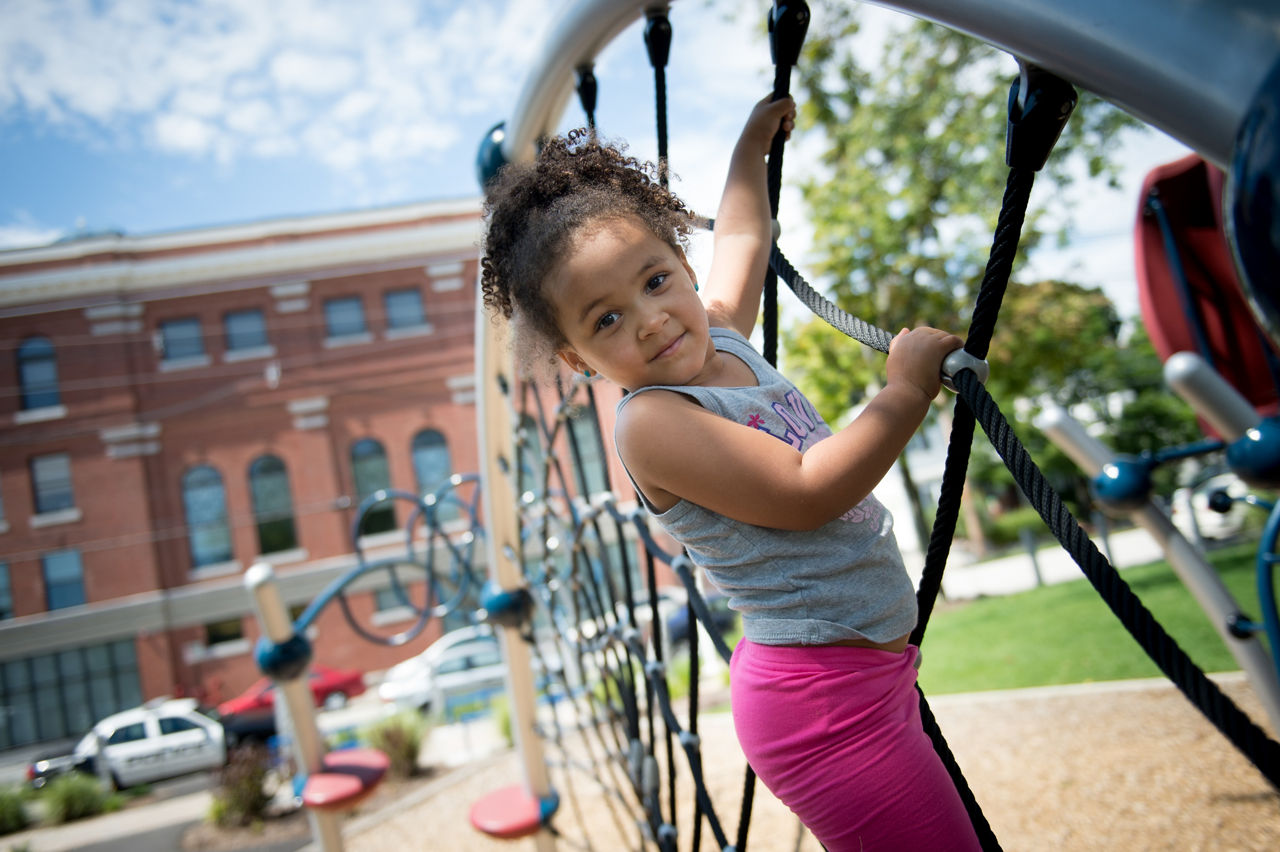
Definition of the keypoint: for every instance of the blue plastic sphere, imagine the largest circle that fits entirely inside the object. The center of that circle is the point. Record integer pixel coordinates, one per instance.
(490, 157)
(1255, 455)
(1123, 484)
(285, 660)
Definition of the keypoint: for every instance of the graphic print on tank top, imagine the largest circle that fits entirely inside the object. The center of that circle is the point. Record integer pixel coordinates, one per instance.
(796, 422)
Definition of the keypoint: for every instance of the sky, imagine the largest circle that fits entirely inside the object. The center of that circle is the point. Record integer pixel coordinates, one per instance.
(146, 116)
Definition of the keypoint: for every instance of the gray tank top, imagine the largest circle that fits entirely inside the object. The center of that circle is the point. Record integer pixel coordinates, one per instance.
(844, 580)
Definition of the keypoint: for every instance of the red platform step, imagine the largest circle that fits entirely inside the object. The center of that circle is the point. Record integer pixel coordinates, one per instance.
(511, 812)
(346, 777)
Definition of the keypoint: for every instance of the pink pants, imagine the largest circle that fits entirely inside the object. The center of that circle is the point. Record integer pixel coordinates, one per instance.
(834, 732)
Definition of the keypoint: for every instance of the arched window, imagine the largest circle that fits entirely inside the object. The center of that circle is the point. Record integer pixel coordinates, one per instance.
(38, 374)
(205, 502)
(272, 505)
(590, 455)
(370, 472)
(432, 467)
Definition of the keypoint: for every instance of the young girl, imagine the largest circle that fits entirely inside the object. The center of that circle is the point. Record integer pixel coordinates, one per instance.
(584, 253)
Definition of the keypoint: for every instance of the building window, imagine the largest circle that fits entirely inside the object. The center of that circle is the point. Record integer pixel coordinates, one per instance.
(370, 472)
(344, 318)
(230, 630)
(391, 600)
(38, 374)
(404, 309)
(588, 454)
(245, 330)
(272, 505)
(63, 579)
(6, 592)
(181, 339)
(49, 696)
(432, 467)
(51, 483)
(205, 502)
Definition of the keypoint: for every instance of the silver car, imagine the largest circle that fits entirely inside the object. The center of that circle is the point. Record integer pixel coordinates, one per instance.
(462, 667)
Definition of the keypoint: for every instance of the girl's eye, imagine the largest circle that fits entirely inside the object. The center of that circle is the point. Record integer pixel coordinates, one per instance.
(656, 281)
(606, 320)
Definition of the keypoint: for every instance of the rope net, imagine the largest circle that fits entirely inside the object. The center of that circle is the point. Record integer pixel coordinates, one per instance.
(618, 714)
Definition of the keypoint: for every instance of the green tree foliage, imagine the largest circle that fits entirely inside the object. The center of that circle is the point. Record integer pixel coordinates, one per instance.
(904, 203)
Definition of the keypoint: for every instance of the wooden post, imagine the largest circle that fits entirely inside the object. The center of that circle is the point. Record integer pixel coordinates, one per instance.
(494, 371)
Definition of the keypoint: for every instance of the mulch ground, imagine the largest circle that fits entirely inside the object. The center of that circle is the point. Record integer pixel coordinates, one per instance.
(1131, 766)
(1109, 767)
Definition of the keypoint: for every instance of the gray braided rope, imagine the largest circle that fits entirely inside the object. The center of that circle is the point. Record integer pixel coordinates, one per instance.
(860, 330)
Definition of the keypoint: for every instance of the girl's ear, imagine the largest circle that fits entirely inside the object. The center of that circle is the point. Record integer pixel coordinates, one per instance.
(684, 261)
(572, 359)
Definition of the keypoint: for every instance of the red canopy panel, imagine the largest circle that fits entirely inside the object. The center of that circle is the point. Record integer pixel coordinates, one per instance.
(1190, 192)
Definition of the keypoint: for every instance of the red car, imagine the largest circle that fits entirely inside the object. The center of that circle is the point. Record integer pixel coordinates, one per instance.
(251, 714)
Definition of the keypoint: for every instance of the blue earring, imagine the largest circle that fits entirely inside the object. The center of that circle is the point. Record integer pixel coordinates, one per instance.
(586, 373)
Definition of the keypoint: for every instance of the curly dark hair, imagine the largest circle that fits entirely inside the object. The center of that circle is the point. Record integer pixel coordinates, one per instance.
(533, 211)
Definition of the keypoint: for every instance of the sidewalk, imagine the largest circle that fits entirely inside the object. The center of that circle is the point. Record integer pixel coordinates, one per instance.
(1017, 572)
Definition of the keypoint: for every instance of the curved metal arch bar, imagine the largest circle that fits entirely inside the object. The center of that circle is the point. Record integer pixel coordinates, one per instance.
(1190, 68)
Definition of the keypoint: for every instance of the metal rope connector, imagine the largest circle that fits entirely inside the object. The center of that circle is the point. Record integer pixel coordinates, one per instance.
(962, 360)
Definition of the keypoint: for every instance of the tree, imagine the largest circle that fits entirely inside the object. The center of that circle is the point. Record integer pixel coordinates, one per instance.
(908, 190)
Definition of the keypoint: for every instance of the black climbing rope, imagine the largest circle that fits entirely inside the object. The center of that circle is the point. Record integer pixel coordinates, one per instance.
(788, 23)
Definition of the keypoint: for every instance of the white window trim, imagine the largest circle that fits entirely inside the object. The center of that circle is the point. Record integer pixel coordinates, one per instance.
(61, 516)
(217, 569)
(189, 363)
(379, 539)
(285, 557)
(409, 331)
(249, 353)
(230, 648)
(348, 340)
(395, 615)
(38, 415)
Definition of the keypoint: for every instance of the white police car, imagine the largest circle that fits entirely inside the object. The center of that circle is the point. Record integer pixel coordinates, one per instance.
(160, 739)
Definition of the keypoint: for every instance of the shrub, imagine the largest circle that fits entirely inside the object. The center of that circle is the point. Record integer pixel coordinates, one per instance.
(1006, 529)
(400, 738)
(73, 796)
(241, 797)
(13, 816)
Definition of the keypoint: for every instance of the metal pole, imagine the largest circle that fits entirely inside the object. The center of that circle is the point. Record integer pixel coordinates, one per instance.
(1187, 561)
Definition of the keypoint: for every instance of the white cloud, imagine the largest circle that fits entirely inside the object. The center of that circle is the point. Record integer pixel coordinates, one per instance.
(23, 233)
(231, 78)
(185, 133)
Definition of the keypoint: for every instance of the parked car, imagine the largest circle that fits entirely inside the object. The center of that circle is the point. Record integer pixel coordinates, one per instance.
(463, 664)
(159, 739)
(722, 617)
(50, 765)
(251, 714)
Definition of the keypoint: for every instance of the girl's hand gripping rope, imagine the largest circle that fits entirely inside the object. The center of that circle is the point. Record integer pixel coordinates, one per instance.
(916, 357)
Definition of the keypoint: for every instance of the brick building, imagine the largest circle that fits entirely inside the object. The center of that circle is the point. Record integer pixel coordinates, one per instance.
(175, 407)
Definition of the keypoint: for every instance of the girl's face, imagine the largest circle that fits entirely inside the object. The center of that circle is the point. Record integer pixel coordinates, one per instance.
(626, 304)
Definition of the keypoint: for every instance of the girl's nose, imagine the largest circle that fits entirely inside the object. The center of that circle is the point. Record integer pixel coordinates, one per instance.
(652, 321)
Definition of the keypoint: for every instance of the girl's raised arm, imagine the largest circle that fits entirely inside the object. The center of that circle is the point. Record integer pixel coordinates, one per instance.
(744, 225)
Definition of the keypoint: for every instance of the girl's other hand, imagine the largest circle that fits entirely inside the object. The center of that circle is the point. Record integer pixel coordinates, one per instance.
(916, 356)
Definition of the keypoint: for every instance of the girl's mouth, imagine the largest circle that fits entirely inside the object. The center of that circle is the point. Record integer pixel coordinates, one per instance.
(669, 348)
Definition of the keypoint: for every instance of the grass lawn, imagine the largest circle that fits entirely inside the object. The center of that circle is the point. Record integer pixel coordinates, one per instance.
(1065, 633)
